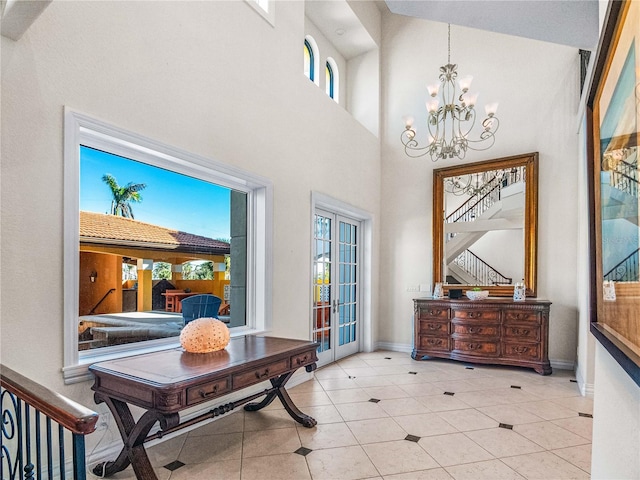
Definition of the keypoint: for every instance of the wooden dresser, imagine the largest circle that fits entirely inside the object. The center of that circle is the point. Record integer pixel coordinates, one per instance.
(496, 330)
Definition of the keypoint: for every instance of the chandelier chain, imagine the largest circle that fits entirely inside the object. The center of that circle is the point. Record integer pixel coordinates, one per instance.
(449, 45)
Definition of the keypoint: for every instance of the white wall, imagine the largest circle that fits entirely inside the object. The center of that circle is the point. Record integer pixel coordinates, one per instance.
(213, 78)
(616, 421)
(536, 84)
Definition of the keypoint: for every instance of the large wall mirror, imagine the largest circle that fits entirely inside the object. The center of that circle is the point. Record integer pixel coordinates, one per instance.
(485, 224)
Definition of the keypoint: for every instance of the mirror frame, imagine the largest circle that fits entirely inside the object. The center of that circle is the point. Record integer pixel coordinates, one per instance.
(530, 161)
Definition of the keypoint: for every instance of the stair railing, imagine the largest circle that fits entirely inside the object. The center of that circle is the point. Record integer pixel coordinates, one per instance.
(626, 270)
(480, 202)
(484, 273)
(111, 290)
(37, 427)
(625, 178)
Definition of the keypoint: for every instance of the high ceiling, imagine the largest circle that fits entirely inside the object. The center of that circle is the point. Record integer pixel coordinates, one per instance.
(567, 22)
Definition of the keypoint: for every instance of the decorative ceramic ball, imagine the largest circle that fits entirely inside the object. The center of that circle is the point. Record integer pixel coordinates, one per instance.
(204, 335)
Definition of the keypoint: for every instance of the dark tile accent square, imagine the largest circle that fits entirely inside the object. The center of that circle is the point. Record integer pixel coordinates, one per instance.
(516, 386)
(469, 368)
(588, 415)
(506, 425)
(304, 451)
(413, 373)
(176, 464)
(573, 380)
(449, 393)
(374, 400)
(412, 438)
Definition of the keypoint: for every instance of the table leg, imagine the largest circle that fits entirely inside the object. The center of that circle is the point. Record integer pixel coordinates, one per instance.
(133, 435)
(280, 392)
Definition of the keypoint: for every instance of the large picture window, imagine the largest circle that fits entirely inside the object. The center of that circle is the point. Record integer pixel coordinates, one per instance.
(174, 230)
(147, 226)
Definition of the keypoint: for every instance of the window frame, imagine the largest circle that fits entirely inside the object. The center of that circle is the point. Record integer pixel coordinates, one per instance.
(329, 81)
(333, 90)
(268, 14)
(81, 129)
(314, 59)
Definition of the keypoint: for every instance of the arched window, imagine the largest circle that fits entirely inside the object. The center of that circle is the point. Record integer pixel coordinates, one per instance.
(311, 65)
(329, 79)
(309, 69)
(332, 79)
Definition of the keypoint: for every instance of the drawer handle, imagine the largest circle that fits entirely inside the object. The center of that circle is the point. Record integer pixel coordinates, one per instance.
(435, 312)
(204, 394)
(474, 346)
(433, 341)
(520, 350)
(520, 316)
(474, 314)
(517, 331)
(435, 326)
(262, 375)
(474, 330)
(300, 361)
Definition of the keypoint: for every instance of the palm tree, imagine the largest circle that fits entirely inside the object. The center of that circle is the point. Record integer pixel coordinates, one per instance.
(122, 196)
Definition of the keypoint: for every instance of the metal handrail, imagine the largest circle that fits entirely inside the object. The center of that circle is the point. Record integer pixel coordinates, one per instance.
(111, 290)
(24, 453)
(484, 273)
(626, 270)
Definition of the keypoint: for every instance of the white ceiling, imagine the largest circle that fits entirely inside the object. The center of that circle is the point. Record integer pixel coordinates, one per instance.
(567, 22)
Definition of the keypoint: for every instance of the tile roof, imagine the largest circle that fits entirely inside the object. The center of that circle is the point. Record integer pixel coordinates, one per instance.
(114, 230)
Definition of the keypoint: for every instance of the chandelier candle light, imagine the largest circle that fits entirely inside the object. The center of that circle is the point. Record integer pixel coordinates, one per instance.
(449, 123)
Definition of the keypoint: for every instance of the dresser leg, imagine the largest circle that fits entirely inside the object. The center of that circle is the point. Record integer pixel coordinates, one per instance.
(544, 369)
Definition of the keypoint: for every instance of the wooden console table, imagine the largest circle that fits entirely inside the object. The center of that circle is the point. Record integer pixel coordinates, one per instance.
(167, 382)
(496, 330)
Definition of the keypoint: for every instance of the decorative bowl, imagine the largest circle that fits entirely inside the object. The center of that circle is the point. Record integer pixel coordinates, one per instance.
(477, 294)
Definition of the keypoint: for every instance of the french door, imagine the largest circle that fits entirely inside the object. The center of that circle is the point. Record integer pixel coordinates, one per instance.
(335, 312)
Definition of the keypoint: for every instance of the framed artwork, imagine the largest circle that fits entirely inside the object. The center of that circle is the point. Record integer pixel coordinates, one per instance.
(613, 119)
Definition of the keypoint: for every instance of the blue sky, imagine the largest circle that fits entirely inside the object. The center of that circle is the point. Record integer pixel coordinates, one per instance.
(170, 199)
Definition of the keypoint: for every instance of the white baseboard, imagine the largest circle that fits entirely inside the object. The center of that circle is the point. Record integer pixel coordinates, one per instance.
(394, 347)
(562, 364)
(586, 389)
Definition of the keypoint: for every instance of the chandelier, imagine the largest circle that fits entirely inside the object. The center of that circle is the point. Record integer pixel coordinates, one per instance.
(473, 184)
(449, 123)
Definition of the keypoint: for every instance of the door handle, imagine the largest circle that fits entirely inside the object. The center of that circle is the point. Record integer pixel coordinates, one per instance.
(335, 305)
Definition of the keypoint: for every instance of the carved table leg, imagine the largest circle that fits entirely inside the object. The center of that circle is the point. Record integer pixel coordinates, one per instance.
(280, 392)
(133, 435)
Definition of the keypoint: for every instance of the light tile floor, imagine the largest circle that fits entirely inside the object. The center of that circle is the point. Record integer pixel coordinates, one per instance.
(383, 415)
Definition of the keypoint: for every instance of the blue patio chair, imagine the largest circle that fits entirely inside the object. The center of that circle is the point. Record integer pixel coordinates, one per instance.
(198, 306)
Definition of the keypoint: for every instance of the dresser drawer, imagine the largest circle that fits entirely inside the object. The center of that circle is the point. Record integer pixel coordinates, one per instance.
(260, 374)
(440, 344)
(484, 315)
(302, 360)
(201, 393)
(515, 332)
(476, 347)
(430, 312)
(519, 316)
(434, 327)
(474, 329)
(525, 351)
